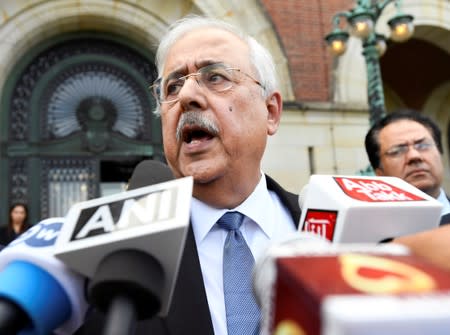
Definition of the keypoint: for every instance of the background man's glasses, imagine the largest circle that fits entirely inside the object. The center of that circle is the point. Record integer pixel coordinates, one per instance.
(401, 149)
(215, 77)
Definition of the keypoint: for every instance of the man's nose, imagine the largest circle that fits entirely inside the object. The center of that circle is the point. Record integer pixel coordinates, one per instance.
(413, 154)
(192, 94)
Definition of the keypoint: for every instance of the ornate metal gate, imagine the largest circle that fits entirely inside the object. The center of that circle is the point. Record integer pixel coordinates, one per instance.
(79, 115)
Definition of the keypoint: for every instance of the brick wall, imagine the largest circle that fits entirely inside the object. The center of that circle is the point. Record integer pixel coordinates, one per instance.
(301, 25)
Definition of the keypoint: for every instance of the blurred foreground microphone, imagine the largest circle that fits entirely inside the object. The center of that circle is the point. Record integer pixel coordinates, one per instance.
(38, 293)
(265, 271)
(130, 245)
(365, 209)
(313, 288)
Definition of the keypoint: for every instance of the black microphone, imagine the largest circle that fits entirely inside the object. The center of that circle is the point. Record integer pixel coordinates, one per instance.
(121, 309)
(149, 172)
(130, 244)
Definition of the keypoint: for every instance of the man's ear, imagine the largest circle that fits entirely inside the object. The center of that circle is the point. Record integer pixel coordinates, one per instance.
(274, 105)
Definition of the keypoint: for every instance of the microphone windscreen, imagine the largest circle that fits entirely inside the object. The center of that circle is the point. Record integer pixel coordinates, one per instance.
(149, 172)
(151, 217)
(42, 286)
(365, 209)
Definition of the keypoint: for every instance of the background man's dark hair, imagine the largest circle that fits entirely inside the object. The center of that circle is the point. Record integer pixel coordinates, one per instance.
(372, 138)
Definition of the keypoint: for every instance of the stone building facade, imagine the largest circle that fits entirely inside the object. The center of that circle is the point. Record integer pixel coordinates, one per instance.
(75, 113)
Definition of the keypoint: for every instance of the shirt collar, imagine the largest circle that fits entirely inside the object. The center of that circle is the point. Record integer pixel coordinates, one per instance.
(204, 217)
(442, 198)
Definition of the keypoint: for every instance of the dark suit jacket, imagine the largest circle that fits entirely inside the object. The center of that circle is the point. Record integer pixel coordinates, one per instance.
(189, 311)
(445, 219)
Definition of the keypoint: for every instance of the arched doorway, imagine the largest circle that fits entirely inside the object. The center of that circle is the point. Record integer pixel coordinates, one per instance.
(80, 118)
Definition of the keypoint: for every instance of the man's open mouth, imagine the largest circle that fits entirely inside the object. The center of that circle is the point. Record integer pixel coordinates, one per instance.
(196, 134)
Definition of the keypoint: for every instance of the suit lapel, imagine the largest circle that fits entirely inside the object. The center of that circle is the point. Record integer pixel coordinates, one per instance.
(189, 312)
(290, 200)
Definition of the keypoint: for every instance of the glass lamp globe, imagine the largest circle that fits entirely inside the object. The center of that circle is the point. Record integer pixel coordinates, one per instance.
(402, 27)
(337, 42)
(381, 45)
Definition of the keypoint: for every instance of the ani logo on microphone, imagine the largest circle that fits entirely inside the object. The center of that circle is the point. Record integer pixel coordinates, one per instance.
(126, 212)
(321, 222)
(374, 190)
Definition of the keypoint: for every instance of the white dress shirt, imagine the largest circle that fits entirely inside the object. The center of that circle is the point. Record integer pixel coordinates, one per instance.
(267, 220)
(442, 198)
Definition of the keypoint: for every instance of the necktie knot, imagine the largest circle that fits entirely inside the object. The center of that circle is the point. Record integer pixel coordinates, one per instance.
(231, 221)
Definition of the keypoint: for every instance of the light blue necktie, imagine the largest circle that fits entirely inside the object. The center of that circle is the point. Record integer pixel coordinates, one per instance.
(242, 311)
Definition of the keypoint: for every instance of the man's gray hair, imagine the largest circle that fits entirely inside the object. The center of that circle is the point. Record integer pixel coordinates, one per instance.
(260, 57)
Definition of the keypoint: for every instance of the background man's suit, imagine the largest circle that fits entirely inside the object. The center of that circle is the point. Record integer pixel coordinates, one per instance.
(445, 219)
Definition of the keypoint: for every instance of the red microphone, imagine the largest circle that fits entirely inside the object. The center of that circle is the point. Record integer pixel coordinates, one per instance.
(357, 209)
(351, 289)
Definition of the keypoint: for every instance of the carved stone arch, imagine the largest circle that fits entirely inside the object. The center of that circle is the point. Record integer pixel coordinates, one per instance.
(49, 19)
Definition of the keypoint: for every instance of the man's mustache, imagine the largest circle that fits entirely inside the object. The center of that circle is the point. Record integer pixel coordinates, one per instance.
(197, 119)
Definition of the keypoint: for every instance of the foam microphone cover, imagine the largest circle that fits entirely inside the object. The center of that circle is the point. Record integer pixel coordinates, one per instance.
(110, 274)
(149, 172)
(50, 294)
(150, 218)
(365, 209)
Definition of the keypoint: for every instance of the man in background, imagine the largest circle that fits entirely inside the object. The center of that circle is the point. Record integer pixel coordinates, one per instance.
(407, 144)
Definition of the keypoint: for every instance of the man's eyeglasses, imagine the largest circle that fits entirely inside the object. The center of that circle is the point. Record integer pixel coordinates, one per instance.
(215, 77)
(401, 149)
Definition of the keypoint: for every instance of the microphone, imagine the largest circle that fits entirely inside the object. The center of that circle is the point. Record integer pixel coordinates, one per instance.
(38, 293)
(265, 272)
(365, 209)
(311, 287)
(31, 278)
(149, 172)
(130, 245)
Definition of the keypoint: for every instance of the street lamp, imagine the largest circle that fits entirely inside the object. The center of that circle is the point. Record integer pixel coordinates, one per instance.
(362, 20)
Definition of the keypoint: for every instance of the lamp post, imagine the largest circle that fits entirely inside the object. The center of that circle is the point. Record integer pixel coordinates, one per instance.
(362, 20)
